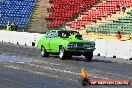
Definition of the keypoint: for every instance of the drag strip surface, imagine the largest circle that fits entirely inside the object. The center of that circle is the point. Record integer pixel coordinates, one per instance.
(59, 72)
(12, 78)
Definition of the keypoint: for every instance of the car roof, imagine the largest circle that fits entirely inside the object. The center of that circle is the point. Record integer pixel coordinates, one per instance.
(61, 30)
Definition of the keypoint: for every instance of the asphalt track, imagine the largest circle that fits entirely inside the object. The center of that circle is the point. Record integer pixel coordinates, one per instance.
(23, 67)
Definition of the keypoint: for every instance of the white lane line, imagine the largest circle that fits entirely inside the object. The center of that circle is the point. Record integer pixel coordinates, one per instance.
(58, 70)
(54, 69)
(49, 63)
(65, 71)
(40, 73)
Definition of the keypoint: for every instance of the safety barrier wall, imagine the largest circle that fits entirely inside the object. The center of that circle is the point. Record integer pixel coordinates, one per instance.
(20, 38)
(104, 47)
(113, 48)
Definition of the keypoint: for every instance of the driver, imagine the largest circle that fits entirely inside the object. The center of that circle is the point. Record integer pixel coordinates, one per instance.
(63, 35)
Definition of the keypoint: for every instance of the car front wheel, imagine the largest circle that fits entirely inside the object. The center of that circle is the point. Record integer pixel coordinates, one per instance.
(89, 56)
(62, 53)
(44, 53)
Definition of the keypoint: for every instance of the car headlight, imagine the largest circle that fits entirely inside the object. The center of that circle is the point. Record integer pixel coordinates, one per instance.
(93, 44)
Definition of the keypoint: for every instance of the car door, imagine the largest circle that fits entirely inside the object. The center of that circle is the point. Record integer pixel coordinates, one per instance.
(54, 42)
(47, 41)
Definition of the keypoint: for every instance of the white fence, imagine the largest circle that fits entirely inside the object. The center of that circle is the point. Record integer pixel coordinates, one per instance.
(108, 48)
(113, 48)
(21, 38)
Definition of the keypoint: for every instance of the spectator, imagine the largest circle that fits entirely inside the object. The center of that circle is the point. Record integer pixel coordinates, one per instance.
(123, 8)
(8, 26)
(118, 7)
(119, 35)
(14, 26)
(63, 35)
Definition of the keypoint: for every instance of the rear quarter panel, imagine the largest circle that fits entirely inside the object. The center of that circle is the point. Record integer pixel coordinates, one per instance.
(41, 42)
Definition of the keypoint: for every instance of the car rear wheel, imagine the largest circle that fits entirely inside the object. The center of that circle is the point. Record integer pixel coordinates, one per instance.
(69, 56)
(89, 56)
(44, 53)
(62, 53)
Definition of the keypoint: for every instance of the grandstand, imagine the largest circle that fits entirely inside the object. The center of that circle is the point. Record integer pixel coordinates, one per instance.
(122, 24)
(100, 16)
(16, 10)
(64, 10)
(92, 16)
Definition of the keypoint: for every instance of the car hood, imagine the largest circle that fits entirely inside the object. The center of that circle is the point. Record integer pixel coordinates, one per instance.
(77, 39)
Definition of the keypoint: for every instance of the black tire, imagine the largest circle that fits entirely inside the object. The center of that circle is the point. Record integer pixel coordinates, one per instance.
(62, 53)
(89, 56)
(44, 53)
(85, 81)
(69, 56)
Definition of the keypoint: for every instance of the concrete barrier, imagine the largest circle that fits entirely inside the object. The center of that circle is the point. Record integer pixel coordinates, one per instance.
(113, 48)
(104, 47)
(36, 37)
(124, 49)
(100, 48)
(21, 38)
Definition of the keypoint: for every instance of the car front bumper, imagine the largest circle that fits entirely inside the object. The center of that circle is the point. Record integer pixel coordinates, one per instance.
(80, 51)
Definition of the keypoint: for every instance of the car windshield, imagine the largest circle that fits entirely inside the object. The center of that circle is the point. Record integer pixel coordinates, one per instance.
(66, 34)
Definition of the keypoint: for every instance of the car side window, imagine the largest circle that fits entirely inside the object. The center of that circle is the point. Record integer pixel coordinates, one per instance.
(54, 35)
(51, 35)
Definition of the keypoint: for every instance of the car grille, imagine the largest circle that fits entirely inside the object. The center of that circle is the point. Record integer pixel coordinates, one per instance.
(83, 45)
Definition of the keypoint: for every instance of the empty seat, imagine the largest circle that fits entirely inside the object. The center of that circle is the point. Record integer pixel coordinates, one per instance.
(64, 10)
(18, 10)
(101, 10)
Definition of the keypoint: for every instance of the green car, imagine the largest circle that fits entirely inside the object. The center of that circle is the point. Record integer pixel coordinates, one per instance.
(66, 43)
